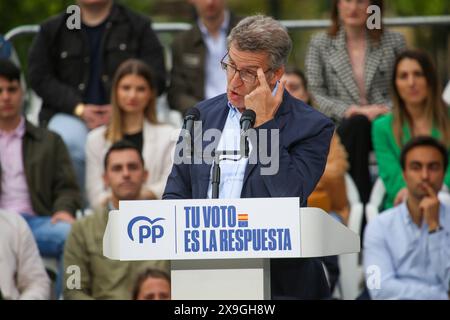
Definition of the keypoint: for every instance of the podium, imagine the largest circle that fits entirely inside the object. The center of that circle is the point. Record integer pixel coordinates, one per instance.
(220, 248)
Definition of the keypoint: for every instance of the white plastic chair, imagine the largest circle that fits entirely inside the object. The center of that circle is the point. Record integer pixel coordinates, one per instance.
(166, 115)
(351, 271)
(33, 107)
(375, 200)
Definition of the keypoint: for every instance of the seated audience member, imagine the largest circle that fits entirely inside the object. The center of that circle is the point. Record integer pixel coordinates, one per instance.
(330, 192)
(407, 248)
(196, 72)
(22, 273)
(152, 284)
(348, 70)
(418, 110)
(133, 119)
(102, 278)
(71, 68)
(37, 177)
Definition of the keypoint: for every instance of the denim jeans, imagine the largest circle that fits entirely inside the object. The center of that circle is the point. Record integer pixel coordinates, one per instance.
(74, 133)
(50, 238)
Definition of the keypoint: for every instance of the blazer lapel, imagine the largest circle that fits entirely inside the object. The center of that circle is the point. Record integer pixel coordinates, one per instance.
(281, 118)
(340, 61)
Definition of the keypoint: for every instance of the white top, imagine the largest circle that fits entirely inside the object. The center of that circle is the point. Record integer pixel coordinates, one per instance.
(158, 146)
(22, 272)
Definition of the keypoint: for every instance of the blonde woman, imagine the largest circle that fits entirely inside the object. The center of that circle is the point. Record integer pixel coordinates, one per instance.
(133, 97)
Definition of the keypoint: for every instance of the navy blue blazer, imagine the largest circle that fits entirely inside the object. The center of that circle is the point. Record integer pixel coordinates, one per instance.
(305, 136)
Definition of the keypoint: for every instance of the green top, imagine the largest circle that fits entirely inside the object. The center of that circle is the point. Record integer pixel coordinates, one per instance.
(387, 153)
(100, 277)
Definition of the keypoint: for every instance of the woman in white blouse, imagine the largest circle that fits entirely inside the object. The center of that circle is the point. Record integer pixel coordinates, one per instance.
(133, 97)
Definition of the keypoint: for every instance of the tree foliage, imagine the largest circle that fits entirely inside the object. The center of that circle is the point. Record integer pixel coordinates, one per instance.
(16, 13)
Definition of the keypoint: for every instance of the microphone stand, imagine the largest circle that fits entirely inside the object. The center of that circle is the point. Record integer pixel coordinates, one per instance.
(215, 179)
(242, 153)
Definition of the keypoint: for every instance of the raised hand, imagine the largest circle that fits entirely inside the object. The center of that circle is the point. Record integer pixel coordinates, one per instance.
(429, 207)
(63, 216)
(261, 100)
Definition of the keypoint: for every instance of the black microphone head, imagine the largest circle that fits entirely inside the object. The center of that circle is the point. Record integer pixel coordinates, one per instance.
(192, 114)
(248, 115)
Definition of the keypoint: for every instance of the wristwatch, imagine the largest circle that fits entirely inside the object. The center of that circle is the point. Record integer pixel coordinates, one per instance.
(79, 110)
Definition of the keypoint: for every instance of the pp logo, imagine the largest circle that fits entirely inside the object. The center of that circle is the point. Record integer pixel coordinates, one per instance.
(146, 230)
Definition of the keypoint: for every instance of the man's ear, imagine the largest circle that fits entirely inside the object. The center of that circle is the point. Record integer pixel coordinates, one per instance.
(277, 74)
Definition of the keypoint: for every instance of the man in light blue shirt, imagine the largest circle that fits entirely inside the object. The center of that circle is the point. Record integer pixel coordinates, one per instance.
(216, 44)
(232, 172)
(258, 49)
(407, 248)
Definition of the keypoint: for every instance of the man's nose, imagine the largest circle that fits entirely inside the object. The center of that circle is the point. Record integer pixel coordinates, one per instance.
(126, 172)
(425, 174)
(236, 80)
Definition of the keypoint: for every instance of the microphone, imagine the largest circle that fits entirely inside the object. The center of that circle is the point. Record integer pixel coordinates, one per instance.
(192, 115)
(247, 121)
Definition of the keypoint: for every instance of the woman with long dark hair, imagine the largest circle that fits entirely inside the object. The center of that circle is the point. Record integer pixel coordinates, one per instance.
(418, 110)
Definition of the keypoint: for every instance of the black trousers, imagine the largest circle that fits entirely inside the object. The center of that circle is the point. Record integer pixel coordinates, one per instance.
(298, 279)
(355, 134)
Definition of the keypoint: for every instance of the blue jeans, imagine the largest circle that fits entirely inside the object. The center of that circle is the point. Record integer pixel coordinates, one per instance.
(74, 133)
(50, 238)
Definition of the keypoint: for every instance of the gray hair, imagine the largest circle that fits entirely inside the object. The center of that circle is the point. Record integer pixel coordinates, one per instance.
(262, 34)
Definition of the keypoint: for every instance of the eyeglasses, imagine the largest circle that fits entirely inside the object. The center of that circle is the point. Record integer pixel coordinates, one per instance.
(245, 75)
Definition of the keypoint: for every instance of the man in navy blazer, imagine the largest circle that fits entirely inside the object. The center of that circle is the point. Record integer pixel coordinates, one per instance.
(258, 50)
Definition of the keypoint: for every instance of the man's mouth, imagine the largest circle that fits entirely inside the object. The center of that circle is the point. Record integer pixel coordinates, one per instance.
(127, 185)
(234, 94)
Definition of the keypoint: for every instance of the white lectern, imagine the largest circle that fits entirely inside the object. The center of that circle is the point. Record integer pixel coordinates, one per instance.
(220, 248)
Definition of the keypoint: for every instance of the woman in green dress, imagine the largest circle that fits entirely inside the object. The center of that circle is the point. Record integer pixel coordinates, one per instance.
(418, 110)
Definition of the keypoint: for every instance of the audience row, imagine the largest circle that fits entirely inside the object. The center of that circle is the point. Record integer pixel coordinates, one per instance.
(99, 140)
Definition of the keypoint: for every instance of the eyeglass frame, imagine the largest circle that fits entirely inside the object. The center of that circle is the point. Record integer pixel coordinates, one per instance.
(225, 66)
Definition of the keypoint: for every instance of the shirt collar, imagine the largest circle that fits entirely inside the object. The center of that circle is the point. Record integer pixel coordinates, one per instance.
(233, 111)
(18, 132)
(223, 26)
(405, 216)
